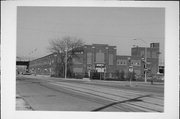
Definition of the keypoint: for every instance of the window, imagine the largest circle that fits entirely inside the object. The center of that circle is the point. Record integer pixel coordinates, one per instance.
(142, 53)
(100, 57)
(148, 54)
(118, 62)
(89, 58)
(135, 62)
(121, 62)
(154, 55)
(110, 59)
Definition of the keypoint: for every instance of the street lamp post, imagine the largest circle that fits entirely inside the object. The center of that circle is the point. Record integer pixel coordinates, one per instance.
(158, 53)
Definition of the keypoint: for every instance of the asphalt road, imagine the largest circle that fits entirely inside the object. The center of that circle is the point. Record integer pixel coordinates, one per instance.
(76, 95)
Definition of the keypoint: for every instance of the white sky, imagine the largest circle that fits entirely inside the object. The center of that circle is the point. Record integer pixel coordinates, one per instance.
(108, 25)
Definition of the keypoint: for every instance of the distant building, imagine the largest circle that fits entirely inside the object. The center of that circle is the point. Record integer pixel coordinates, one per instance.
(44, 65)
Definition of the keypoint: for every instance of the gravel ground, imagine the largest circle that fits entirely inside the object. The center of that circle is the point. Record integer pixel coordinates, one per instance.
(21, 104)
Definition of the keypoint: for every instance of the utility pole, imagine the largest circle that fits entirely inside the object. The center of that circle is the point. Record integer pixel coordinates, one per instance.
(100, 75)
(145, 58)
(66, 61)
(104, 71)
(130, 67)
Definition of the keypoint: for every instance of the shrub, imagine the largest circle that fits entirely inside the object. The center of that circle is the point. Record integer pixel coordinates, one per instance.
(86, 75)
(122, 75)
(79, 76)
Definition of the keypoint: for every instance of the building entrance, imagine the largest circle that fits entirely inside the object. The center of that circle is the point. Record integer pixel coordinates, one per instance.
(99, 71)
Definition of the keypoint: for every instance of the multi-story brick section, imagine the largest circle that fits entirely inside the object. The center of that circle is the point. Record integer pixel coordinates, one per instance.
(148, 55)
(100, 59)
(122, 64)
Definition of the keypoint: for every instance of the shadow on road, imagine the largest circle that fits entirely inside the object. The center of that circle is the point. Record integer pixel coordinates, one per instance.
(119, 102)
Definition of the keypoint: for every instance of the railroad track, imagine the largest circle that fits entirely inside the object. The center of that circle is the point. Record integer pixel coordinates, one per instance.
(124, 103)
(126, 99)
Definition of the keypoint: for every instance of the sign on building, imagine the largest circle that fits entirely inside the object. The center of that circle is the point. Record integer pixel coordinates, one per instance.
(100, 67)
(130, 69)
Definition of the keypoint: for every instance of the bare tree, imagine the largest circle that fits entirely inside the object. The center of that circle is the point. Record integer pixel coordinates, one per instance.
(61, 46)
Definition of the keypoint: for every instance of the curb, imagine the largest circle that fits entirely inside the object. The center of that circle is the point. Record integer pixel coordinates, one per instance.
(21, 104)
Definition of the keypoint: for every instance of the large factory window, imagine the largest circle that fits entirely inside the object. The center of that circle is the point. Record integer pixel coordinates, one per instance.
(89, 58)
(110, 59)
(154, 54)
(142, 53)
(100, 57)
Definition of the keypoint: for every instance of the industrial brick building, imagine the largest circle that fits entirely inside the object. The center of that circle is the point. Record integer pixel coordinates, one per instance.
(100, 61)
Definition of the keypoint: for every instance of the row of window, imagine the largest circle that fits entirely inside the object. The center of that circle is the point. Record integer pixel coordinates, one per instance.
(39, 63)
(125, 62)
(80, 61)
(100, 58)
(150, 54)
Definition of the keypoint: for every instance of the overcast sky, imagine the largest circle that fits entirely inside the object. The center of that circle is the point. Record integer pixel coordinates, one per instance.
(107, 25)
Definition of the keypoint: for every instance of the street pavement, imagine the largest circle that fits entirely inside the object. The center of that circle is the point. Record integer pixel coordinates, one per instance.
(57, 94)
